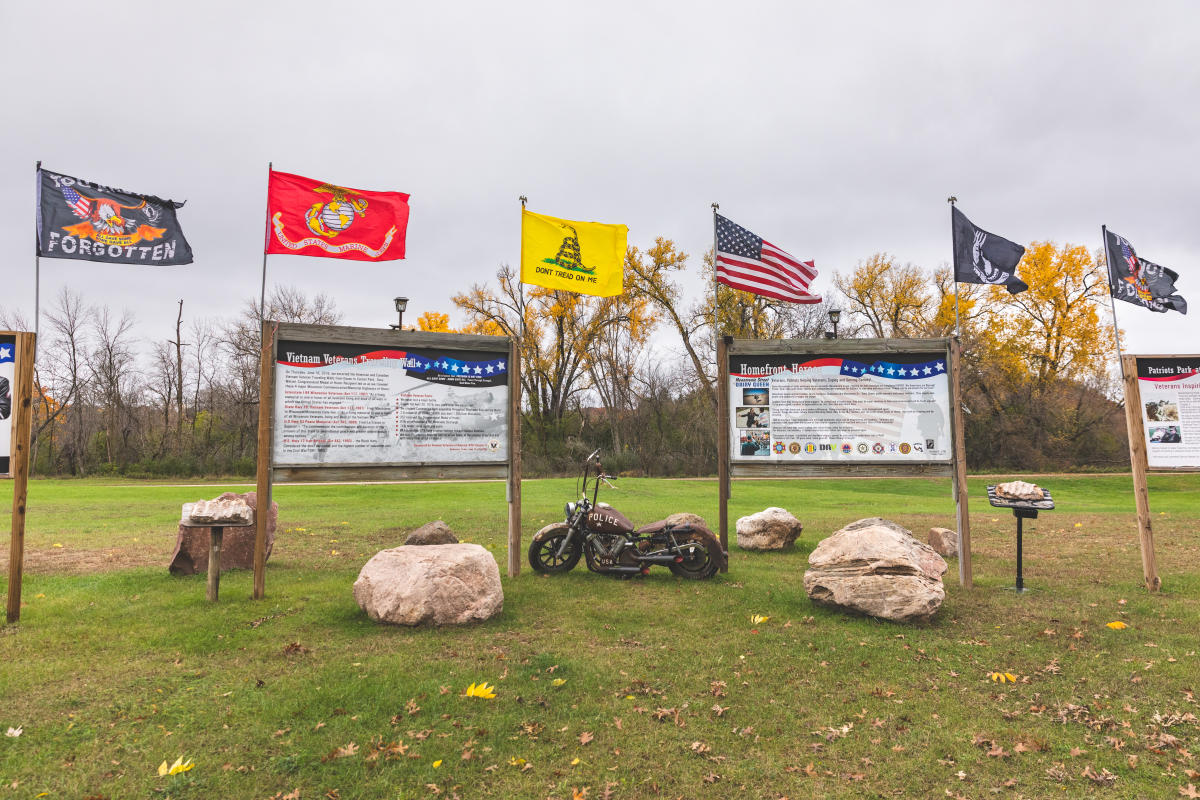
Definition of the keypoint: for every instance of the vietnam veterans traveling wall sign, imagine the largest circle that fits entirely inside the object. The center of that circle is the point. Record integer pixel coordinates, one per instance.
(840, 407)
(340, 404)
(1169, 400)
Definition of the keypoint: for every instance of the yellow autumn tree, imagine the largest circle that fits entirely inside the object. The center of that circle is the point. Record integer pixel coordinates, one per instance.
(888, 299)
(434, 322)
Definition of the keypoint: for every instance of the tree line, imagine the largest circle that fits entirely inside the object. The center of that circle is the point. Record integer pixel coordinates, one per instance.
(633, 374)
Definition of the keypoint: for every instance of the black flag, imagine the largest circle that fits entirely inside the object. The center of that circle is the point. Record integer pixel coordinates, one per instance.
(1138, 281)
(78, 219)
(982, 257)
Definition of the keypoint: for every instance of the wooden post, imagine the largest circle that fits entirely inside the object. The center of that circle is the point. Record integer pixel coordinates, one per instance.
(266, 402)
(514, 460)
(214, 562)
(961, 495)
(22, 427)
(723, 434)
(1138, 460)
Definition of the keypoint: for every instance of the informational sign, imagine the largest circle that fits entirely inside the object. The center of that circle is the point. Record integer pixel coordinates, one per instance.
(364, 404)
(8, 349)
(847, 408)
(1169, 388)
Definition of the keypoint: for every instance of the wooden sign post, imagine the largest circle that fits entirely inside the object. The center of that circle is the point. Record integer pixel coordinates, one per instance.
(1164, 432)
(16, 454)
(364, 404)
(842, 408)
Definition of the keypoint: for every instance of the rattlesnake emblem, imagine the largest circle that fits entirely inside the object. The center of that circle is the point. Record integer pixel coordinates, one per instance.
(336, 214)
(568, 254)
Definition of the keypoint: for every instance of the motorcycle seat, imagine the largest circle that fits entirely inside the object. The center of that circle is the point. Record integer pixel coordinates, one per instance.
(656, 527)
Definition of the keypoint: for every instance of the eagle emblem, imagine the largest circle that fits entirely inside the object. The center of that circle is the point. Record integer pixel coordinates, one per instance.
(336, 214)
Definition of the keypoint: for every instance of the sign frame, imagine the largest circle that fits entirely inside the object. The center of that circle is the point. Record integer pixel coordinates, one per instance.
(270, 471)
(1139, 461)
(25, 351)
(953, 467)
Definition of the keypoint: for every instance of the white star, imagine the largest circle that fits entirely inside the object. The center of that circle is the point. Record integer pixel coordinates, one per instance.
(928, 370)
(454, 367)
(891, 371)
(478, 370)
(941, 366)
(489, 368)
(902, 371)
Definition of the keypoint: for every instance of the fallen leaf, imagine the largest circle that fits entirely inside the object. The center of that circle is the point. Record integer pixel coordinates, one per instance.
(13, 733)
(1189, 791)
(558, 681)
(1117, 625)
(344, 751)
(586, 737)
(481, 690)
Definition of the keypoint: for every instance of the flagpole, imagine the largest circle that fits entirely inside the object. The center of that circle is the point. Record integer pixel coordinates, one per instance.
(1112, 297)
(262, 297)
(37, 256)
(953, 266)
(520, 265)
(716, 285)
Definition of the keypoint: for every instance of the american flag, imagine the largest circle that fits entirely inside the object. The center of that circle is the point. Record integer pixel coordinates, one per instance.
(78, 203)
(749, 263)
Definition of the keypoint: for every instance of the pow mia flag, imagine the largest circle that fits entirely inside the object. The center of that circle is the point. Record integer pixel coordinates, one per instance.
(982, 257)
(1138, 281)
(90, 222)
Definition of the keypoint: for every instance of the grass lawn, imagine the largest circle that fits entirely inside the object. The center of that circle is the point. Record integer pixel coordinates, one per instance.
(654, 687)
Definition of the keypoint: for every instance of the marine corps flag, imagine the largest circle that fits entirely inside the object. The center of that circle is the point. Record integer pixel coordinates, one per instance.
(1138, 281)
(982, 257)
(311, 218)
(91, 222)
(581, 257)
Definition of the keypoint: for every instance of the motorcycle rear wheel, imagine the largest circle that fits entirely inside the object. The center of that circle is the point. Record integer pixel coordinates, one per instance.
(697, 565)
(543, 553)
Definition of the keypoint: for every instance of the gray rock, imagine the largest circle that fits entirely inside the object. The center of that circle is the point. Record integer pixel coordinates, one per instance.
(876, 567)
(770, 529)
(685, 518)
(445, 584)
(944, 541)
(436, 532)
(237, 546)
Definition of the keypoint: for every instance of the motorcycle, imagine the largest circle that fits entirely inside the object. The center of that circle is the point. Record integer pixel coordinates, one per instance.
(612, 546)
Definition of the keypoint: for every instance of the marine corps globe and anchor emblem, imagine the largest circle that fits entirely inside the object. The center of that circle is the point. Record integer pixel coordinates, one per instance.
(336, 214)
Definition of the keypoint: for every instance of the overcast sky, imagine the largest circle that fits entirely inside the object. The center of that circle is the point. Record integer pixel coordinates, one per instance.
(835, 130)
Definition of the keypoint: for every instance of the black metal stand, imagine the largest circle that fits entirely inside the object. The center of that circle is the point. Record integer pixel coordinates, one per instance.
(1022, 510)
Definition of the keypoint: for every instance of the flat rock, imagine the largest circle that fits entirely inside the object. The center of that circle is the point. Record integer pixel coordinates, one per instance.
(442, 584)
(222, 511)
(436, 532)
(686, 518)
(237, 545)
(944, 541)
(770, 529)
(876, 567)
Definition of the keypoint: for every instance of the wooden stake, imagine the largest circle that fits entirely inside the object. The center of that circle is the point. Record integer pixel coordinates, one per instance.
(723, 433)
(1138, 460)
(214, 562)
(263, 490)
(22, 426)
(514, 460)
(961, 495)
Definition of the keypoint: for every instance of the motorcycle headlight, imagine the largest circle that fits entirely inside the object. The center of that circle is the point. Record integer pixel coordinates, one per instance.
(570, 509)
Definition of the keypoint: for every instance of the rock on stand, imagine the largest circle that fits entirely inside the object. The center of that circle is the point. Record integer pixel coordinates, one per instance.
(876, 567)
(237, 549)
(771, 529)
(441, 584)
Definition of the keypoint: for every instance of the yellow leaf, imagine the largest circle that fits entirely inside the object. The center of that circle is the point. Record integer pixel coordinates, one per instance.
(437, 763)
(481, 690)
(516, 762)
(758, 619)
(56, 544)
(558, 681)
(1011, 678)
(162, 769)
(574, 762)
(1117, 625)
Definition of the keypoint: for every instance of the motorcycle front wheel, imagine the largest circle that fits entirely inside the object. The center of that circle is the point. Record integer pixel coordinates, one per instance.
(698, 563)
(543, 551)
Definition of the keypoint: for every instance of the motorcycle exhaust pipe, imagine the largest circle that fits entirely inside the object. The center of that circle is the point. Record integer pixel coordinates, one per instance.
(622, 570)
(665, 560)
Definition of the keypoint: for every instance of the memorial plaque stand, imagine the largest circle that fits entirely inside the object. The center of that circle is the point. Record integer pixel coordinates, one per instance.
(1022, 510)
(215, 542)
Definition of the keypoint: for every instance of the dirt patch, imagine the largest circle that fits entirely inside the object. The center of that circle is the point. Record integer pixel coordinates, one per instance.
(58, 561)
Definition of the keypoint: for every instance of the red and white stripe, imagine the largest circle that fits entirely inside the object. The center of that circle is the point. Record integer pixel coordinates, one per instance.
(779, 274)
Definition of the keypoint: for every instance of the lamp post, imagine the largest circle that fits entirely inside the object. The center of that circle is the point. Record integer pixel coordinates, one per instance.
(834, 315)
(401, 304)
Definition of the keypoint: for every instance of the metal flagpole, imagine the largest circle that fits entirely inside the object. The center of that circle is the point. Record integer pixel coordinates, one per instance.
(1112, 302)
(716, 285)
(37, 256)
(262, 297)
(953, 265)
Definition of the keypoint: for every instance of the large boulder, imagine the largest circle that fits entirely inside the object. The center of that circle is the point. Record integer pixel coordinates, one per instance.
(876, 567)
(944, 541)
(769, 529)
(687, 518)
(441, 584)
(237, 545)
(436, 532)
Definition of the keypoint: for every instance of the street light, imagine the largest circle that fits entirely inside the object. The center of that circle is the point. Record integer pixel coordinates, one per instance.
(401, 304)
(834, 315)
